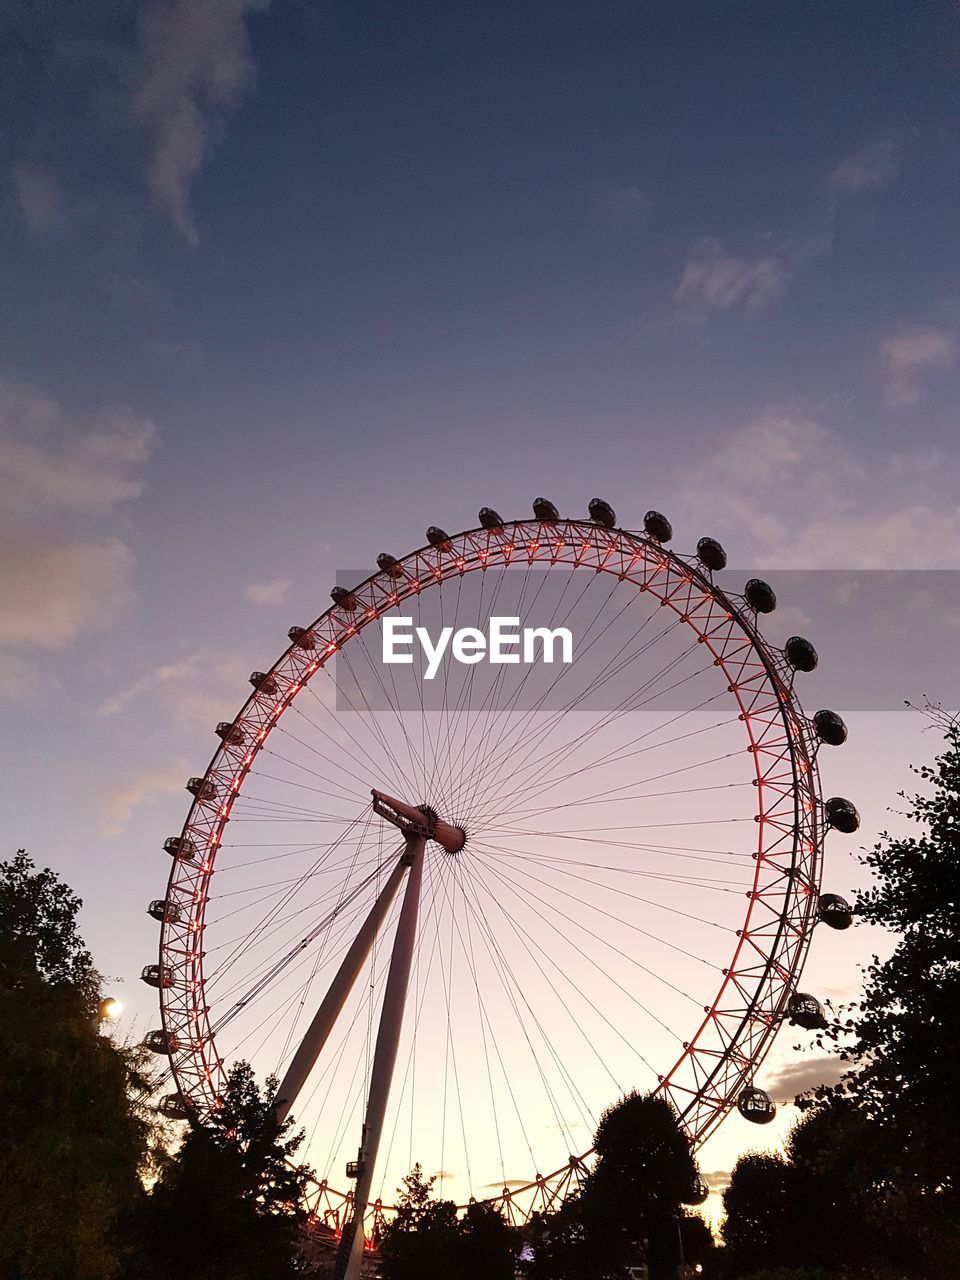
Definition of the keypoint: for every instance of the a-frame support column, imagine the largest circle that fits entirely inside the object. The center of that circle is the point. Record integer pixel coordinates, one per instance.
(325, 1017)
(350, 1254)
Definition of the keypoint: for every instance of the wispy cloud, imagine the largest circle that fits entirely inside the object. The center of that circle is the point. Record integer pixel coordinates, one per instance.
(620, 203)
(795, 494)
(909, 357)
(65, 568)
(196, 66)
(121, 799)
(40, 201)
(874, 165)
(718, 1180)
(196, 690)
(715, 280)
(267, 593)
(798, 1077)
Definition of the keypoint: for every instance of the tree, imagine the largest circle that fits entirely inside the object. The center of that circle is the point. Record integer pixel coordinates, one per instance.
(629, 1209)
(229, 1204)
(38, 932)
(820, 1208)
(71, 1142)
(757, 1229)
(426, 1238)
(422, 1238)
(903, 1036)
(488, 1245)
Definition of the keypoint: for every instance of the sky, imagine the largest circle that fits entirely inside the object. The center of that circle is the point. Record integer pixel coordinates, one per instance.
(285, 283)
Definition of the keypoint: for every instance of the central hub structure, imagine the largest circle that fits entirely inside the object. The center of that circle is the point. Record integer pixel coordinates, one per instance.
(419, 820)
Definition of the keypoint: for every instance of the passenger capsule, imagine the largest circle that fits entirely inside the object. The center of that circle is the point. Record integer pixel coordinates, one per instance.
(842, 814)
(756, 1105)
(834, 911)
(344, 599)
(760, 596)
(302, 638)
(490, 519)
(389, 564)
(658, 526)
(181, 847)
(173, 1107)
(203, 790)
(698, 1192)
(711, 554)
(544, 510)
(806, 1011)
(438, 538)
(155, 975)
(830, 728)
(161, 1042)
(801, 654)
(602, 513)
(263, 682)
(231, 733)
(166, 912)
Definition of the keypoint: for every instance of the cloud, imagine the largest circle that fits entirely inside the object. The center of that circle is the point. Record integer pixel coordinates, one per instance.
(40, 201)
(713, 279)
(53, 590)
(48, 465)
(620, 203)
(796, 495)
(872, 166)
(797, 1077)
(121, 800)
(198, 690)
(719, 1180)
(20, 680)
(196, 65)
(267, 593)
(716, 280)
(908, 356)
(64, 568)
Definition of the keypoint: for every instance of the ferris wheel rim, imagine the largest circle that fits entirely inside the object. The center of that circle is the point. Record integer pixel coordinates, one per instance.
(799, 748)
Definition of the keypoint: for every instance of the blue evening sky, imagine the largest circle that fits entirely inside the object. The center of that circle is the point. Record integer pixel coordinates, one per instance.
(284, 283)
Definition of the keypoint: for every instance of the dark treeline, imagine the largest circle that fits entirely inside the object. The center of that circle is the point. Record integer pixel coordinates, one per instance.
(95, 1186)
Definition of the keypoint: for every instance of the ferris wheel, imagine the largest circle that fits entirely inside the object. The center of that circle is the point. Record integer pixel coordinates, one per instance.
(458, 908)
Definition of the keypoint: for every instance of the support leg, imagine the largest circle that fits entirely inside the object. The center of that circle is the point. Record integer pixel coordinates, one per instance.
(350, 1254)
(323, 1020)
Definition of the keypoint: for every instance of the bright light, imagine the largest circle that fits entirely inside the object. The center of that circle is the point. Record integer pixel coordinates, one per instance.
(109, 1010)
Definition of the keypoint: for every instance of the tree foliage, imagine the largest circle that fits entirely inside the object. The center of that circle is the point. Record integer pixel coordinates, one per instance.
(230, 1203)
(907, 1023)
(629, 1210)
(38, 932)
(427, 1238)
(71, 1142)
(873, 1163)
(757, 1230)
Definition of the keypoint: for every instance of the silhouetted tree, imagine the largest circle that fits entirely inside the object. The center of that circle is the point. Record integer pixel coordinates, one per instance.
(902, 1038)
(699, 1246)
(426, 1238)
(229, 1204)
(757, 1229)
(488, 1245)
(71, 1142)
(629, 1209)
